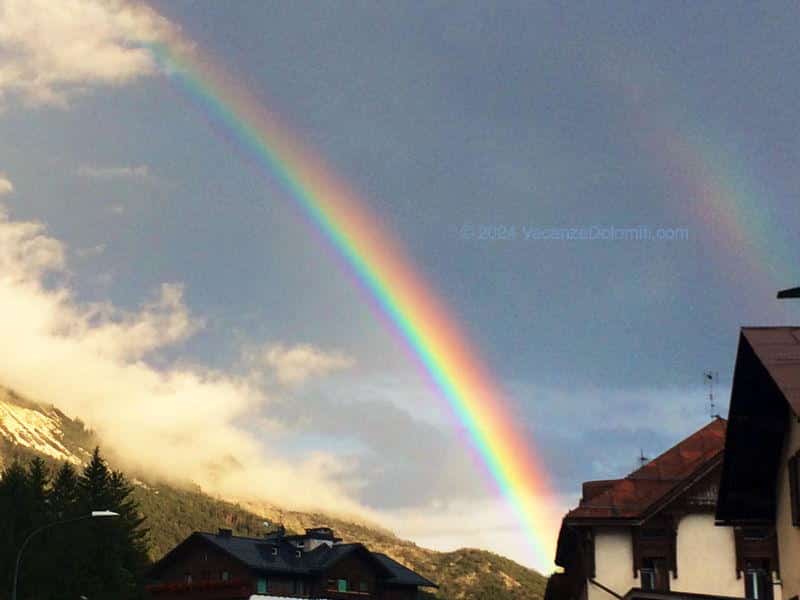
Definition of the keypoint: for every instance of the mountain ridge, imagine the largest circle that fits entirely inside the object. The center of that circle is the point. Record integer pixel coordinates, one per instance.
(173, 511)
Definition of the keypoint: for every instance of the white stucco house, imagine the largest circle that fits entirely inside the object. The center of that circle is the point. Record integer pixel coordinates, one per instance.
(761, 472)
(652, 534)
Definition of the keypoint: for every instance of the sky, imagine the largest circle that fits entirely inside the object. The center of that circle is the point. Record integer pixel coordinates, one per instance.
(160, 285)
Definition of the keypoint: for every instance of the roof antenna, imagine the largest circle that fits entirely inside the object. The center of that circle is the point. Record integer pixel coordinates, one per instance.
(643, 460)
(710, 378)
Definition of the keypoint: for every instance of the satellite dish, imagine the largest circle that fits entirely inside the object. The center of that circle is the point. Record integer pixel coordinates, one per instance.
(266, 524)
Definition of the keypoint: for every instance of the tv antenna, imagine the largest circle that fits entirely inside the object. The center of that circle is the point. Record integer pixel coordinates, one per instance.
(643, 460)
(710, 378)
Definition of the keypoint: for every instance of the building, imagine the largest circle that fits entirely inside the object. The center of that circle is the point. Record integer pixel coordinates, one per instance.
(652, 534)
(316, 564)
(759, 487)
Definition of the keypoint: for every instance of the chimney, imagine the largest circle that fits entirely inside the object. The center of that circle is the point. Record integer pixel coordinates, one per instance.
(591, 489)
(226, 533)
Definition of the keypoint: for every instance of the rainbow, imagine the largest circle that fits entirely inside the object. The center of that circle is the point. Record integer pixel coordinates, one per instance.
(721, 194)
(380, 264)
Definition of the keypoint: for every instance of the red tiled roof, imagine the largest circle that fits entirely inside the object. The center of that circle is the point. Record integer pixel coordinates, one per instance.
(778, 349)
(631, 497)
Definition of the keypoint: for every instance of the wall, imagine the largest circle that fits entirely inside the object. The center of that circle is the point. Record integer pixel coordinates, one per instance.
(399, 593)
(706, 558)
(788, 534)
(202, 559)
(613, 563)
(355, 568)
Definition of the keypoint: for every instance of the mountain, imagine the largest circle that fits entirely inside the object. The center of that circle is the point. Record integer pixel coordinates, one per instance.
(173, 512)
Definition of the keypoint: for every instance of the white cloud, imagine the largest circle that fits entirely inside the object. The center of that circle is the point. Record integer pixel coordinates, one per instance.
(178, 421)
(51, 51)
(293, 365)
(141, 172)
(6, 187)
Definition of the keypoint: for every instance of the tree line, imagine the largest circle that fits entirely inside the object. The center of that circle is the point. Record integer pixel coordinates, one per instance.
(94, 558)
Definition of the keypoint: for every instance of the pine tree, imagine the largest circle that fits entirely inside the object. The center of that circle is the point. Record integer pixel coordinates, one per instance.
(63, 497)
(36, 572)
(68, 542)
(16, 521)
(117, 546)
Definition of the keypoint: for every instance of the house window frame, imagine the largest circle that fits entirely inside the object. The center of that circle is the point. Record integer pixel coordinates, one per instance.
(262, 585)
(656, 540)
(751, 577)
(655, 568)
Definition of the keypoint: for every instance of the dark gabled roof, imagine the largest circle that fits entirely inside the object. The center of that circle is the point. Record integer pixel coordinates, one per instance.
(778, 349)
(402, 575)
(258, 554)
(634, 496)
(766, 390)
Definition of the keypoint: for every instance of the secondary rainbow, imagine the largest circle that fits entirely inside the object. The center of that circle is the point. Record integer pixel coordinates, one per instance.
(381, 265)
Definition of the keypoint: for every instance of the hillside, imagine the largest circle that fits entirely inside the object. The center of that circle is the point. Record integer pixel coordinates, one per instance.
(172, 513)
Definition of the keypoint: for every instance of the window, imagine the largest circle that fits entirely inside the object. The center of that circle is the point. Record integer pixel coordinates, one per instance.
(341, 585)
(794, 496)
(205, 576)
(274, 551)
(225, 576)
(187, 578)
(757, 580)
(363, 586)
(261, 585)
(331, 584)
(654, 575)
(299, 553)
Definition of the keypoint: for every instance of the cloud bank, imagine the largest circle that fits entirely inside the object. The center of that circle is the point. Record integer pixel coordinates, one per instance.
(52, 51)
(91, 360)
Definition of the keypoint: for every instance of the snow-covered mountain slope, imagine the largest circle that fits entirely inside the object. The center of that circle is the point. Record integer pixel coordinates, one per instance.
(45, 430)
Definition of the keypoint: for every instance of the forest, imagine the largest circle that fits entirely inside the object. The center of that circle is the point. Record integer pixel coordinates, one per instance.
(68, 553)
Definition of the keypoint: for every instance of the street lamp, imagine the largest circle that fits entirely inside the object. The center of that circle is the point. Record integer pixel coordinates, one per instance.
(92, 515)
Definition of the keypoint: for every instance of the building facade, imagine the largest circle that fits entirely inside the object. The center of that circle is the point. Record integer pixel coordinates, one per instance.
(759, 488)
(316, 564)
(654, 531)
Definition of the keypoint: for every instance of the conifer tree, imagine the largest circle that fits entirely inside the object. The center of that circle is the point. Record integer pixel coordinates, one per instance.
(63, 497)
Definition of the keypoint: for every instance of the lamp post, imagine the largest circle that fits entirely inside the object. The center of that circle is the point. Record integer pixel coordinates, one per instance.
(92, 515)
